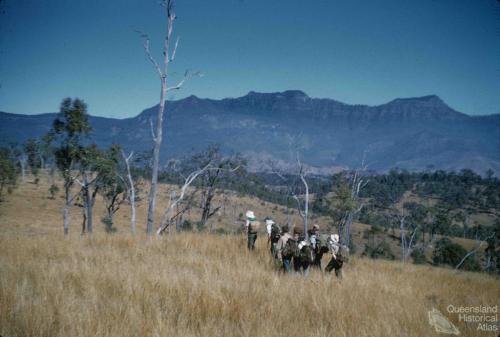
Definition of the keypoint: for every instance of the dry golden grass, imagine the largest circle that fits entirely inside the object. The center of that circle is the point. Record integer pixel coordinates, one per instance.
(202, 285)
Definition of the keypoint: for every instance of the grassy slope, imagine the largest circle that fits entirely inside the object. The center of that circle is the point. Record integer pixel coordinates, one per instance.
(201, 285)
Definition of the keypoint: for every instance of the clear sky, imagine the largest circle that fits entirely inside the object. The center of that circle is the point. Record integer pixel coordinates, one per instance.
(363, 52)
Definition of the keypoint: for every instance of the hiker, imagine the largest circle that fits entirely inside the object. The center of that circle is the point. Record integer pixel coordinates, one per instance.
(274, 234)
(339, 255)
(303, 258)
(285, 254)
(252, 228)
(322, 247)
(316, 246)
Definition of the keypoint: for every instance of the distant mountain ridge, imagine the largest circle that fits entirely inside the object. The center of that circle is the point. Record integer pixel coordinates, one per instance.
(410, 133)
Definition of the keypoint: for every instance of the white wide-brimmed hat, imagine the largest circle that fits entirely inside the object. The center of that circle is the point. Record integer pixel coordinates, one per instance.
(335, 238)
(250, 216)
(270, 222)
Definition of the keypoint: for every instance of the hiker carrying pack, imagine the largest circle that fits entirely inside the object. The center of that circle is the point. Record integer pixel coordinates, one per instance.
(305, 252)
(252, 229)
(275, 232)
(340, 254)
(302, 261)
(285, 262)
(291, 249)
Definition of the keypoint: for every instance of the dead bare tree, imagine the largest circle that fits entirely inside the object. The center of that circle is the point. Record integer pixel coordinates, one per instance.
(406, 246)
(23, 159)
(354, 205)
(130, 190)
(292, 190)
(305, 213)
(174, 200)
(168, 57)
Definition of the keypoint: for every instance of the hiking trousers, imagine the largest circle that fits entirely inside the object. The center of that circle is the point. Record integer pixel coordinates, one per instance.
(252, 237)
(274, 249)
(317, 261)
(335, 264)
(287, 265)
(301, 266)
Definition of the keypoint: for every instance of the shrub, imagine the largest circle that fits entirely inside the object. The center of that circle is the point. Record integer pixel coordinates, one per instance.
(221, 231)
(418, 256)
(187, 225)
(200, 226)
(380, 250)
(108, 224)
(53, 191)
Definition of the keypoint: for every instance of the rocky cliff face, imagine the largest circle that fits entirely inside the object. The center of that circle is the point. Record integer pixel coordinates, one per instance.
(412, 133)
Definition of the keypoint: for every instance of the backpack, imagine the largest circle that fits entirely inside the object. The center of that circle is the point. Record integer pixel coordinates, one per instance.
(275, 233)
(322, 244)
(253, 227)
(343, 254)
(291, 249)
(306, 254)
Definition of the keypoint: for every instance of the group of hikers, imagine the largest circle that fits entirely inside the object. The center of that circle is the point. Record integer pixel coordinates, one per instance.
(296, 251)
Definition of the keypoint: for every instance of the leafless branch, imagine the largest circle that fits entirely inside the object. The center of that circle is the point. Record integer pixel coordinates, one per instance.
(152, 129)
(298, 206)
(479, 243)
(147, 49)
(174, 51)
(187, 75)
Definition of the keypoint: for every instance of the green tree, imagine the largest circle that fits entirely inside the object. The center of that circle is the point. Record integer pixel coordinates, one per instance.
(111, 184)
(69, 128)
(33, 152)
(8, 172)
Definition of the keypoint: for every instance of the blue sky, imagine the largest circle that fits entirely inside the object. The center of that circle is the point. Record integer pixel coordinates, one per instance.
(362, 52)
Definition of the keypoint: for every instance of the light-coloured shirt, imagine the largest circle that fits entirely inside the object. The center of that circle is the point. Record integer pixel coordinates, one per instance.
(334, 247)
(281, 244)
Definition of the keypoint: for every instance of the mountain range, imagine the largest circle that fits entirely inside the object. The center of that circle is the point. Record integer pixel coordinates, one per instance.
(410, 133)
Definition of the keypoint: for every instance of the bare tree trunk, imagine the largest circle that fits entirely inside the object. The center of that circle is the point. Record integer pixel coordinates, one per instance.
(131, 188)
(207, 205)
(66, 218)
(178, 220)
(52, 170)
(347, 227)
(306, 206)
(84, 221)
(157, 137)
(403, 238)
(22, 163)
(67, 205)
(88, 203)
(156, 161)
